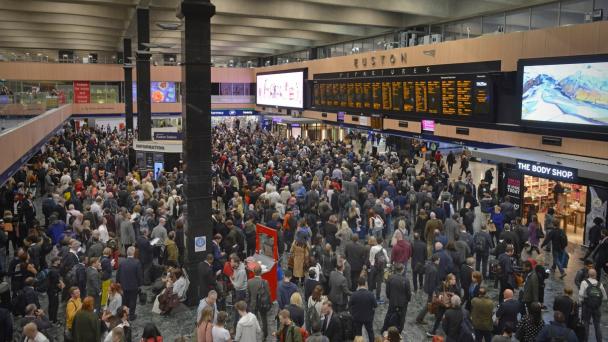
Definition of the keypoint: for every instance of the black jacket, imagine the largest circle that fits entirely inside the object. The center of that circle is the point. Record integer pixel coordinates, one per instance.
(565, 305)
(398, 290)
(356, 254)
(507, 312)
(145, 250)
(555, 237)
(207, 278)
(452, 320)
(130, 274)
(362, 305)
(431, 278)
(418, 254)
(333, 330)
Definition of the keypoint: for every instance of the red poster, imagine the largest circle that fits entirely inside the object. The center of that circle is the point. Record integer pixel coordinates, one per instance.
(82, 92)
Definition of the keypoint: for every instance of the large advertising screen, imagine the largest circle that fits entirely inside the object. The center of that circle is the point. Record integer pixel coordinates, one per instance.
(282, 89)
(160, 92)
(572, 93)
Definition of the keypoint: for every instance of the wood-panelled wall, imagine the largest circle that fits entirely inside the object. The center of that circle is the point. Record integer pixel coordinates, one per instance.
(583, 39)
(29, 71)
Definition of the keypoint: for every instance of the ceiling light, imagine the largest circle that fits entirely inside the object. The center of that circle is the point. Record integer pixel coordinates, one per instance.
(156, 45)
(169, 26)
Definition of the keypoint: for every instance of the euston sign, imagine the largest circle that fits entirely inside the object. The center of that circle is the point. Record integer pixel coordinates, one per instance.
(547, 171)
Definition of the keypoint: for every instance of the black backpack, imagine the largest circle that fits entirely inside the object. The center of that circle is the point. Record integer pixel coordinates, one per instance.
(563, 239)
(380, 260)
(556, 336)
(480, 244)
(593, 295)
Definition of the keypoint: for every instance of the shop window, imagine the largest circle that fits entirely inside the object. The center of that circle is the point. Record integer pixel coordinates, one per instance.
(544, 16)
(518, 21)
(493, 24)
(573, 11)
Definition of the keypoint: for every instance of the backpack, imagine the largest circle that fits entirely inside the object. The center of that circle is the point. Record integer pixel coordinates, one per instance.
(292, 331)
(480, 244)
(312, 315)
(380, 260)
(412, 200)
(593, 295)
(72, 276)
(263, 301)
(466, 329)
(41, 282)
(18, 303)
(346, 319)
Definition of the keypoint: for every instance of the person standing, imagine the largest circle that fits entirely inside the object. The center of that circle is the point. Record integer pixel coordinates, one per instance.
(238, 280)
(357, 256)
(73, 305)
(592, 294)
(247, 328)
(55, 285)
(94, 281)
(86, 325)
(482, 241)
(378, 260)
(451, 160)
(207, 278)
(331, 326)
(530, 291)
(362, 308)
(508, 310)
(595, 236)
(285, 290)
(338, 289)
(507, 275)
(481, 316)
(418, 261)
(556, 329)
(257, 290)
(531, 324)
(398, 294)
(568, 307)
(288, 330)
(431, 282)
(130, 277)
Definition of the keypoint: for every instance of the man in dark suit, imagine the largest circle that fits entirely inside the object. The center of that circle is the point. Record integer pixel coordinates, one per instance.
(254, 286)
(419, 255)
(507, 275)
(508, 310)
(338, 289)
(431, 282)
(356, 254)
(530, 292)
(362, 307)
(145, 254)
(207, 278)
(399, 294)
(331, 326)
(466, 271)
(130, 277)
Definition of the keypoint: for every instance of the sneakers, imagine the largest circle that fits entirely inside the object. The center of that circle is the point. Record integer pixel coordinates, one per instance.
(429, 335)
(380, 301)
(420, 322)
(562, 276)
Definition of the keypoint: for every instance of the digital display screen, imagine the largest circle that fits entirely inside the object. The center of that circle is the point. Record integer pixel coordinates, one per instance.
(428, 125)
(448, 95)
(281, 89)
(343, 95)
(160, 92)
(367, 95)
(575, 93)
(409, 100)
(377, 95)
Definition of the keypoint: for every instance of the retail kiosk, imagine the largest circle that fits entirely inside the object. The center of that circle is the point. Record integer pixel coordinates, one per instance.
(266, 256)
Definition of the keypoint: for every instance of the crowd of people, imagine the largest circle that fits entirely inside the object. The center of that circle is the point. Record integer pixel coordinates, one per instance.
(357, 230)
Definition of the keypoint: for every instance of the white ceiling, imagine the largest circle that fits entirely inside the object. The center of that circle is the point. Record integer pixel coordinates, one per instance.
(250, 28)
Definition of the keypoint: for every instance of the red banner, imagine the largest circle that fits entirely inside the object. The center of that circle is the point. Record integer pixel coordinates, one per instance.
(82, 92)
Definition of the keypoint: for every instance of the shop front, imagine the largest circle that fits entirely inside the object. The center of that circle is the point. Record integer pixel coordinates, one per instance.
(235, 117)
(574, 187)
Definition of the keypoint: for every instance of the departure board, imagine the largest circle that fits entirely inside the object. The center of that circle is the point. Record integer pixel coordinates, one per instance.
(465, 97)
(322, 100)
(358, 95)
(482, 96)
(451, 96)
(350, 93)
(377, 95)
(367, 95)
(387, 99)
(335, 91)
(409, 98)
(421, 92)
(448, 95)
(343, 95)
(397, 87)
(434, 96)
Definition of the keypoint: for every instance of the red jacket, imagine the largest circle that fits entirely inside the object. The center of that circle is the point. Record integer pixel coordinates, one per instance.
(401, 253)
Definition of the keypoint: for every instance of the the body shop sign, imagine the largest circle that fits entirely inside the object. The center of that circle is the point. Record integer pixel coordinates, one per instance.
(547, 171)
(82, 92)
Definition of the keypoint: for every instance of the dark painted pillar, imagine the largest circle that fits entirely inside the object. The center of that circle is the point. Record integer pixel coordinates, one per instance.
(144, 116)
(313, 53)
(128, 85)
(196, 112)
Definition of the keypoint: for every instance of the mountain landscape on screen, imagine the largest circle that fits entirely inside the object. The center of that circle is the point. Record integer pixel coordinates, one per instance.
(566, 93)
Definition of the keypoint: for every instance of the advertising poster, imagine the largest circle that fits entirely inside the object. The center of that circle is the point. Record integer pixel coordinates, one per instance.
(160, 92)
(513, 188)
(82, 92)
(597, 197)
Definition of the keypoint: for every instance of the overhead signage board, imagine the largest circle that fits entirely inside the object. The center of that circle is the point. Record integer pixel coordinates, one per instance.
(557, 172)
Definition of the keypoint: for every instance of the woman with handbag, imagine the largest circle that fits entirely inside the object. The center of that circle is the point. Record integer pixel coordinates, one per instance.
(441, 300)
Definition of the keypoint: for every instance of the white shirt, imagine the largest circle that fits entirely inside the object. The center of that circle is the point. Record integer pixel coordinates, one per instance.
(104, 236)
(220, 334)
(39, 338)
(583, 289)
(372, 253)
(180, 287)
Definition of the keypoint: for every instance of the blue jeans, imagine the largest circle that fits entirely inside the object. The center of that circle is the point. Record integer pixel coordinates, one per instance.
(557, 260)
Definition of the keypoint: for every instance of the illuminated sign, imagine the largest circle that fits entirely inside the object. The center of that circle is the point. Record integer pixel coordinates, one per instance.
(547, 171)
